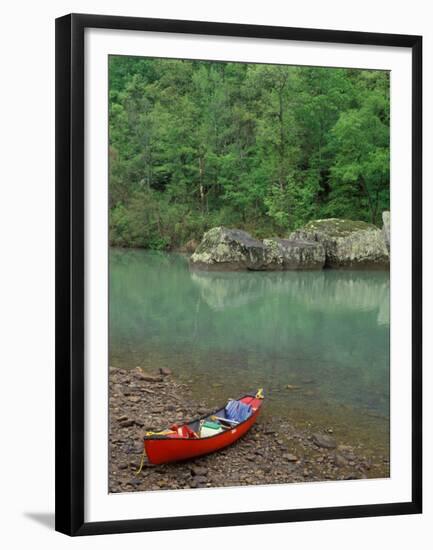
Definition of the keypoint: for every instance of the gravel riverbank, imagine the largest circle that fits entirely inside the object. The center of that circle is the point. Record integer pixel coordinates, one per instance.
(271, 452)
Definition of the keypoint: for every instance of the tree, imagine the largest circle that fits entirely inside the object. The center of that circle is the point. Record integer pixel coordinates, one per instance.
(360, 173)
(265, 148)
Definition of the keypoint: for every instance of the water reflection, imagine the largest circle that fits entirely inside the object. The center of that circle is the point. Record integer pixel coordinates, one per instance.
(231, 332)
(321, 291)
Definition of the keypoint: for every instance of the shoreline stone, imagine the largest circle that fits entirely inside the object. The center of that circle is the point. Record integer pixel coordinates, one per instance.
(327, 243)
(386, 229)
(273, 451)
(285, 254)
(233, 249)
(165, 371)
(348, 244)
(324, 441)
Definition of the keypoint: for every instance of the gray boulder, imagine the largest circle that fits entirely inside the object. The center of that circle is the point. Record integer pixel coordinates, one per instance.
(324, 441)
(285, 254)
(348, 244)
(228, 249)
(386, 228)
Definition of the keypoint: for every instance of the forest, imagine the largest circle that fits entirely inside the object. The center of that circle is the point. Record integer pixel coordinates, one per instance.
(265, 148)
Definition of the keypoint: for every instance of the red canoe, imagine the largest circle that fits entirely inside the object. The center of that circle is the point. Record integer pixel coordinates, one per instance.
(184, 442)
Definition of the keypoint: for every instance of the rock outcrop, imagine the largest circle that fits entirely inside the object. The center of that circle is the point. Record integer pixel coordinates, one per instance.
(235, 250)
(386, 228)
(282, 254)
(333, 242)
(348, 244)
(229, 249)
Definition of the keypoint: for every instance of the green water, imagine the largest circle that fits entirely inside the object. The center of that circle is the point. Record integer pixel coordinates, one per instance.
(325, 332)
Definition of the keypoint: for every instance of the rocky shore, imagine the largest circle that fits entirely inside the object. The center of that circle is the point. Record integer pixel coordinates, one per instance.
(273, 451)
(329, 243)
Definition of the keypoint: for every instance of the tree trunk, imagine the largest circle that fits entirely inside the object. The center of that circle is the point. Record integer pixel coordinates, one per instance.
(370, 201)
(282, 146)
(201, 186)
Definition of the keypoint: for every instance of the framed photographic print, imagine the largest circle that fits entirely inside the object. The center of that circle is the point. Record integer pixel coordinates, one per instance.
(238, 274)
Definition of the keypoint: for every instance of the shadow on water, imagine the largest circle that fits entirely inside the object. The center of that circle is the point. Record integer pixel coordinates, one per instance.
(326, 334)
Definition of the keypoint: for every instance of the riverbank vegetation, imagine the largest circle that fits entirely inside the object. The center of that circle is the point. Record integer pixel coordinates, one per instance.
(264, 148)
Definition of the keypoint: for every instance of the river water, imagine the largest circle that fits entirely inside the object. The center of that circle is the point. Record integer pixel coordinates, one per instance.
(325, 334)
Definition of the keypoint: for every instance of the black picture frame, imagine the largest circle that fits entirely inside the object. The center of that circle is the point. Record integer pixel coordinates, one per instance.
(70, 283)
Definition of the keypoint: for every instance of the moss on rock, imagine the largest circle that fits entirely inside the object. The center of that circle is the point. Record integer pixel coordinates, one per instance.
(287, 254)
(338, 227)
(330, 242)
(347, 243)
(230, 249)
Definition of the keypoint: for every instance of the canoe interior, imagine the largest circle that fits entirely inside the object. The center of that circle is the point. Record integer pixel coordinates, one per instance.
(249, 399)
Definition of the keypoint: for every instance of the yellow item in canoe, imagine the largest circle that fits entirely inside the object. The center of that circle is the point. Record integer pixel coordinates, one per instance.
(163, 432)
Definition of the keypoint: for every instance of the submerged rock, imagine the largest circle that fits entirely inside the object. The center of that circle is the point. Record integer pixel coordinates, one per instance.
(324, 441)
(165, 371)
(347, 243)
(232, 249)
(294, 254)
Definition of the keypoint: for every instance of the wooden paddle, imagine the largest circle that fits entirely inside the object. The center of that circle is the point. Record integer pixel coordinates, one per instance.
(224, 420)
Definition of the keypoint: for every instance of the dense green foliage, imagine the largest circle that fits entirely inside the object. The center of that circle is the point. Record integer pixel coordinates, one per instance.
(264, 148)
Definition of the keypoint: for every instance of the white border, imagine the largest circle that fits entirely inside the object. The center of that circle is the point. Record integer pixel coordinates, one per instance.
(101, 506)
